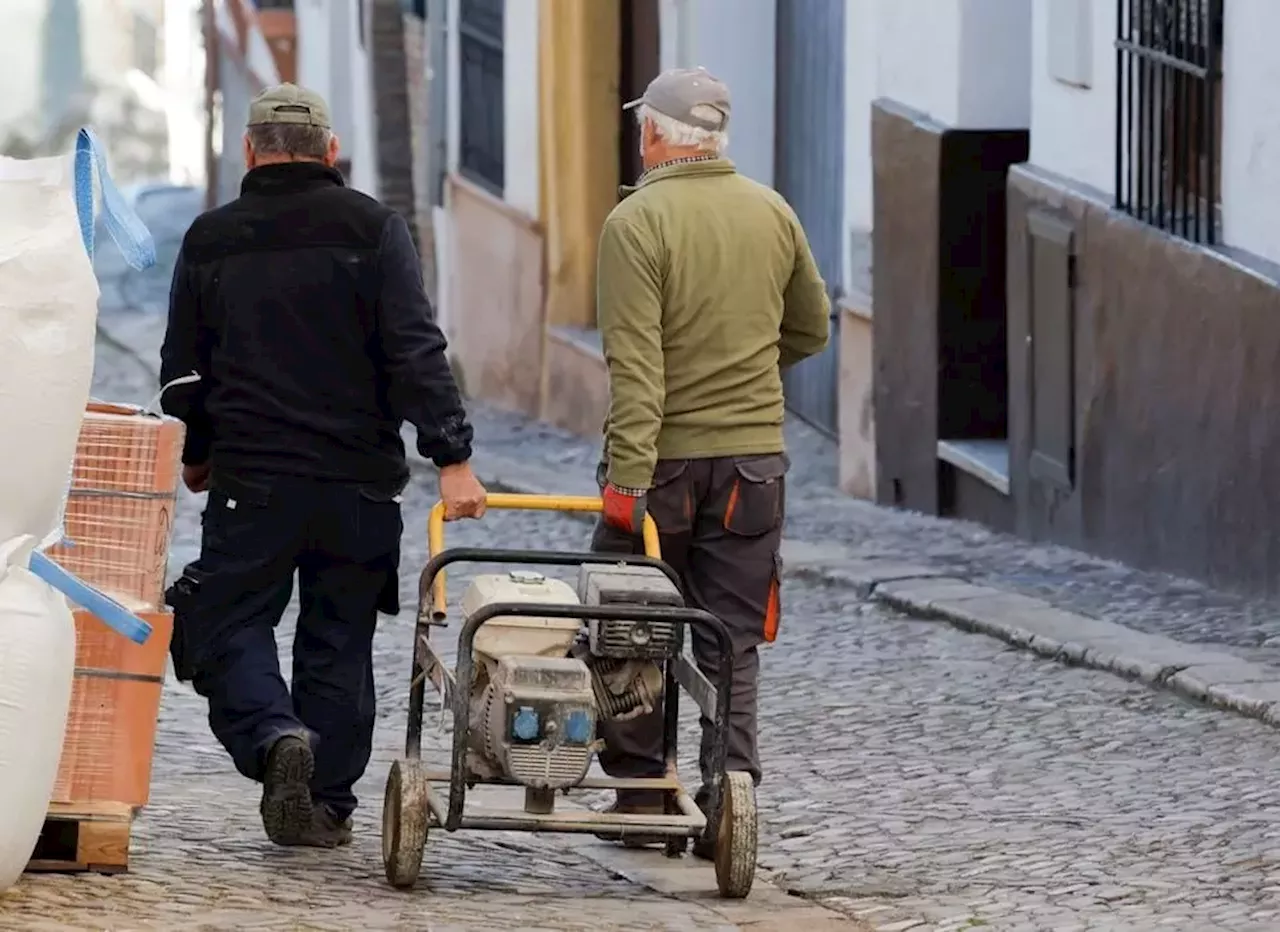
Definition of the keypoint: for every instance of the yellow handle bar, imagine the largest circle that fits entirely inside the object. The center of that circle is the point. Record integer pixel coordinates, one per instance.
(581, 504)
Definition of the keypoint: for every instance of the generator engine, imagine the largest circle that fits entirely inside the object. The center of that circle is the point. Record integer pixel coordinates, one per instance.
(620, 584)
(533, 711)
(540, 720)
(542, 683)
(625, 657)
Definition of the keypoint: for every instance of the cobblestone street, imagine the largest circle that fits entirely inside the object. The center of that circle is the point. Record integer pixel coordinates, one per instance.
(917, 778)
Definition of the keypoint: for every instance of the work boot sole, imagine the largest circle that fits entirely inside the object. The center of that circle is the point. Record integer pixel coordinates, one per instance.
(286, 792)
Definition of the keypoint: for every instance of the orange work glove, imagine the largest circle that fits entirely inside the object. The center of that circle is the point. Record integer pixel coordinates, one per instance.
(624, 509)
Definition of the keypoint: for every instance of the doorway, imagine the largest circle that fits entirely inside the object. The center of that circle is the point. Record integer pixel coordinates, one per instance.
(640, 60)
(809, 173)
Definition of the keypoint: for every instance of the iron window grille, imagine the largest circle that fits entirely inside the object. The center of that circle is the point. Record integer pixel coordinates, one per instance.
(1169, 114)
(482, 140)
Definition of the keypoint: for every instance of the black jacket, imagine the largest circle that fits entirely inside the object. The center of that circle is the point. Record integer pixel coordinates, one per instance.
(301, 306)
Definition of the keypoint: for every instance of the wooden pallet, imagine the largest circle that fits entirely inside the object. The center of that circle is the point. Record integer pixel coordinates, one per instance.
(84, 837)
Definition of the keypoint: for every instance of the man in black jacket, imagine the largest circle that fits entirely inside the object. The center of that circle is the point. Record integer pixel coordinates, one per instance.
(300, 308)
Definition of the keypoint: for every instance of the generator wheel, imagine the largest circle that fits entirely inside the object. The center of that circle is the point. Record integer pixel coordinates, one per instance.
(404, 823)
(738, 837)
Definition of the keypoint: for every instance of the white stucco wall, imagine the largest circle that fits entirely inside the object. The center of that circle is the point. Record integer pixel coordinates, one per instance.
(314, 25)
(994, 90)
(1073, 131)
(734, 40)
(332, 63)
(362, 142)
(1251, 128)
(918, 55)
(964, 63)
(1073, 126)
(521, 186)
(183, 82)
(860, 91)
(453, 87)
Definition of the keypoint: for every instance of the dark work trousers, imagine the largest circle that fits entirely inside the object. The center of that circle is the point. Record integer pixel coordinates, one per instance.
(343, 542)
(720, 524)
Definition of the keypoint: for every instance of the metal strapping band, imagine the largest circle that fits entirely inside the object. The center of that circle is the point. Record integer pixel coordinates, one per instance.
(118, 675)
(120, 493)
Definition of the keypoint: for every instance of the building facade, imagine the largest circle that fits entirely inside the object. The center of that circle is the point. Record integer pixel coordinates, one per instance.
(1075, 275)
(538, 144)
(1046, 226)
(239, 63)
(326, 45)
(535, 147)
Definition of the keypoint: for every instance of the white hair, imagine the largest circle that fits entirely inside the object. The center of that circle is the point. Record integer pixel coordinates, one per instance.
(677, 133)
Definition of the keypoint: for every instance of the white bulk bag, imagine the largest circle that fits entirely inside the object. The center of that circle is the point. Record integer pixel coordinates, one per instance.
(48, 317)
(37, 663)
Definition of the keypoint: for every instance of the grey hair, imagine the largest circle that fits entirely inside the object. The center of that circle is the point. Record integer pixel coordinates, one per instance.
(678, 133)
(294, 139)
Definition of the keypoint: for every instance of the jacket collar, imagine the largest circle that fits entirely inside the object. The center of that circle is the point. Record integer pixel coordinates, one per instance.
(690, 168)
(290, 178)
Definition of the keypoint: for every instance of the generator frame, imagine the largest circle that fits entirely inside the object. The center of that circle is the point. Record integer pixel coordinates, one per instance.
(414, 802)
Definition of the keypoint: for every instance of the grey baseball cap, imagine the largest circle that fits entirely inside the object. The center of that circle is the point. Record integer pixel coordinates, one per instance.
(679, 92)
(289, 104)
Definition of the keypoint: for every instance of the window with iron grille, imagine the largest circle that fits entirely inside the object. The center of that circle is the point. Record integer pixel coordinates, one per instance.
(1169, 114)
(482, 134)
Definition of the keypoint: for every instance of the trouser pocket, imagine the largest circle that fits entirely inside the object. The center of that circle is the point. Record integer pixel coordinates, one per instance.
(182, 597)
(756, 499)
(379, 527)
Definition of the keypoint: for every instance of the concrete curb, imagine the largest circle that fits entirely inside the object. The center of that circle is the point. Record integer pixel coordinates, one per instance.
(1215, 678)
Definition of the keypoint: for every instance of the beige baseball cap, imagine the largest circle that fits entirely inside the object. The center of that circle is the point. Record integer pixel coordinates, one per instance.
(679, 92)
(289, 104)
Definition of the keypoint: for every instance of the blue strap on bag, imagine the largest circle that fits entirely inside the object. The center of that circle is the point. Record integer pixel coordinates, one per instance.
(127, 230)
(138, 247)
(116, 616)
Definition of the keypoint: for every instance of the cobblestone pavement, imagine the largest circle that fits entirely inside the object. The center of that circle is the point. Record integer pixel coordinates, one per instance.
(817, 511)
(917, 778)
(199, 860)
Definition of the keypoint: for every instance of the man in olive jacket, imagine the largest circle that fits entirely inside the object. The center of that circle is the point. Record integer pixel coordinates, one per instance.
(707, 291)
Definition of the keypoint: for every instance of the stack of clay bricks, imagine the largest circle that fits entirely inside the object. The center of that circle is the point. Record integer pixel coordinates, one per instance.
(118, 523)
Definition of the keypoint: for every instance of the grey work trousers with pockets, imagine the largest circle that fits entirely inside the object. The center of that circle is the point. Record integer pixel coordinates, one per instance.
(720, 524)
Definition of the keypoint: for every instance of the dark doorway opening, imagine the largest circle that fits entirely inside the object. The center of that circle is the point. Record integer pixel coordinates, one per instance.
(640, 60)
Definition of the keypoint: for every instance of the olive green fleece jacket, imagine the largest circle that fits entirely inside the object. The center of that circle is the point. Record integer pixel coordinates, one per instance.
(707, 290)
